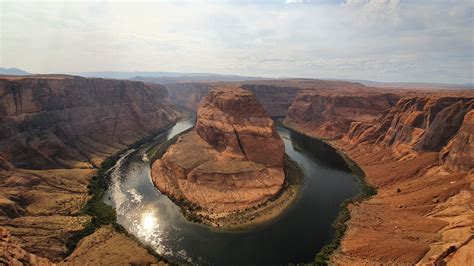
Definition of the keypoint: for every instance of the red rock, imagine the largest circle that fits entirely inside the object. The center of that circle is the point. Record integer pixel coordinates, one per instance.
(415, 123)
(275, 99)
(330, 114)
(12, 254)
(232, 120)
(66, 121)
(232, 161)
(459, 153)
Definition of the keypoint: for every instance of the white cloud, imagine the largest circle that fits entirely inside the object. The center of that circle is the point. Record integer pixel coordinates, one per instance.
(383, 40)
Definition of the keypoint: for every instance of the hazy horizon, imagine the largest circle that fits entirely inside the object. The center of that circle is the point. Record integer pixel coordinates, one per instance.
(377, 40)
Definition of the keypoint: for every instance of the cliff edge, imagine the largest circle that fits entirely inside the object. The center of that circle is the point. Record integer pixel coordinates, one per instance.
(232, 160)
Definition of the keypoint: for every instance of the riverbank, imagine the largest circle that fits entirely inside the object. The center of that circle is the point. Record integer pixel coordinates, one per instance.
(420, 214)
(261, 214)
(340, 224)
(245, 219)
(102, 224)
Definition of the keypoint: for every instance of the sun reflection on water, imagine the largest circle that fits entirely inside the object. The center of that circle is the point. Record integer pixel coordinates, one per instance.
(148, 221)
(148, 225)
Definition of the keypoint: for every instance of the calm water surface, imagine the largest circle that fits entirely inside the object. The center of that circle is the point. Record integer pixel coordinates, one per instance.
(296, 236)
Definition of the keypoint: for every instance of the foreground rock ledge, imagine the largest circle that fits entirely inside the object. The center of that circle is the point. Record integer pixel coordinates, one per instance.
(232, 161)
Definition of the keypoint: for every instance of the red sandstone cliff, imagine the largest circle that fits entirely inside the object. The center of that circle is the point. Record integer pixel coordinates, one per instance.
(54, 129)
(275, 99)
(417, 151)
(12, 254)
(232, 161)
(459, 153)
(188, 95)
(330, 114)
(66, 121)
(276, 96)
(233, 121)
(423, 124)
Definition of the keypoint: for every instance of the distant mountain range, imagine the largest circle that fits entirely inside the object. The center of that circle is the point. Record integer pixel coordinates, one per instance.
(13, 71)
(412, 84)
(175, 77)
(166, 77)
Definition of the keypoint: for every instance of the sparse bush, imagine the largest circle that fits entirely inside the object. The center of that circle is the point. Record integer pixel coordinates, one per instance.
(101, 213)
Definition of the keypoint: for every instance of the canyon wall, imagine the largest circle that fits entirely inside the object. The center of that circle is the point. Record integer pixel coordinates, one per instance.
(330, 114)
(13, 254)
(188, 95)
(416, 148)
(66, 121)
(459, 153)
(275, 99)
(423, 124)
(55, 131)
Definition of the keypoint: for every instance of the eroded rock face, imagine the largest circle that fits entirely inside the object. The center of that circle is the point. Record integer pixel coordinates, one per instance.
(330, 115)
(459, 153)
(12, 254)
(275, 99)
(188, 94)
(416, 123)
(231, 120)
(233, 160)
(53, 130)
(418, 153)
(66, 121)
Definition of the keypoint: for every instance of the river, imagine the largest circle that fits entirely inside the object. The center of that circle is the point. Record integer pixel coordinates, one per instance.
(294, 237)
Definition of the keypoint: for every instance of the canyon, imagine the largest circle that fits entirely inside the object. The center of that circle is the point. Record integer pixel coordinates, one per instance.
(275, 99)
(231, 162)
(414, 146)
(55, 132)
(276, 96)
(416, 149)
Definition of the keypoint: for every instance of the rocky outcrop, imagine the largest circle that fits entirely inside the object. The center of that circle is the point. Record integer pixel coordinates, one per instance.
(66, 121)
(417, 124)
(109, 247)
(232, 121)
(12, 254)
(330, 114)
(54, 131)
(459, 153)
(232, 161)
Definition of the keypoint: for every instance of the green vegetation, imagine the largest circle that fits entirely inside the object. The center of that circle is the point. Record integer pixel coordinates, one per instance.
(101, 213)
(339, 225)
(293, 172)
(293, 177)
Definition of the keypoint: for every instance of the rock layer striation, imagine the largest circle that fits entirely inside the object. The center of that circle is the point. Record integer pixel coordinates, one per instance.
(416, 148)
(54, 132)
(231, 161)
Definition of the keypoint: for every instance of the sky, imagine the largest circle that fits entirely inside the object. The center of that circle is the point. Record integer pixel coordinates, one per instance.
(381, 40)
